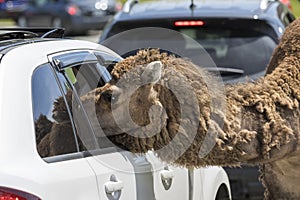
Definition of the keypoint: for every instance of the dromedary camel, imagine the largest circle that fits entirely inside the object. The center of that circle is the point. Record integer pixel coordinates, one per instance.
(162, 103)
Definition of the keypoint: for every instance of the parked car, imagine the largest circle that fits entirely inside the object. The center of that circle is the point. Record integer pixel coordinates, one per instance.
(52, 153)
(75, 16)
(239, 36)
(2, 9)
(11, 9)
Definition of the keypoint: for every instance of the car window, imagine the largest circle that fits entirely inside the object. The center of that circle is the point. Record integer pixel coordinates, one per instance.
(86, 139)
(85, 78)
(239, 48)
(247, 51)
(80, 73)
(55, 134)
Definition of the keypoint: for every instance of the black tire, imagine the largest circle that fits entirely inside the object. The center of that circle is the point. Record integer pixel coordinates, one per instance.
(222, 193)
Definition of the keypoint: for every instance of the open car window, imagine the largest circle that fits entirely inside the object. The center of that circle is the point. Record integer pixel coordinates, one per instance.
(81, 73)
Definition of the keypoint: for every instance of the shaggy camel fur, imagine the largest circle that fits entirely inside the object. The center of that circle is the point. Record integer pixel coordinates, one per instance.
(260, 124)
(289, 46)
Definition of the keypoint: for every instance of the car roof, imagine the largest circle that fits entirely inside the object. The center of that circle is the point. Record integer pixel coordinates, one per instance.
(13, 37)
(203, 8)
(163, 13)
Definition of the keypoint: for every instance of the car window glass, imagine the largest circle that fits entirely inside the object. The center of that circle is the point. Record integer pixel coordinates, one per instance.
(53, 128)
(85, 136)
(85, 77)
(244, 50)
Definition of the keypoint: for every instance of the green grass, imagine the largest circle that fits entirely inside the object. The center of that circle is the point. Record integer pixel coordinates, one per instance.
(296, 7)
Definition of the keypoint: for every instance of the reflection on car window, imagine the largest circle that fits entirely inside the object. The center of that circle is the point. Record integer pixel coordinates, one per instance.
(54, 131)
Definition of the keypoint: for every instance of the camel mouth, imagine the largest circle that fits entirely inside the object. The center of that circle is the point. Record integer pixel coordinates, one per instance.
(136, 132)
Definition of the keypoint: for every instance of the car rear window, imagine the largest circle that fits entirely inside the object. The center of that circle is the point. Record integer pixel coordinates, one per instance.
(247, 51)
(238, 47)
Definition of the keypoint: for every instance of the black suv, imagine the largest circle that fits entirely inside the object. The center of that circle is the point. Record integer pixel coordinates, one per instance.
(239, 36)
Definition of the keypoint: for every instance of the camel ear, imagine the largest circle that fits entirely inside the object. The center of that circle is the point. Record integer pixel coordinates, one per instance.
(152, 72)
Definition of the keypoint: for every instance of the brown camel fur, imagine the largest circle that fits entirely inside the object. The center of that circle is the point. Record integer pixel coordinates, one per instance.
(289, 46)
(260, 124)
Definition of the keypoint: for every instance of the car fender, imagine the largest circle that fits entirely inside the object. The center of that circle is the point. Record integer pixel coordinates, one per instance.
(211, 180)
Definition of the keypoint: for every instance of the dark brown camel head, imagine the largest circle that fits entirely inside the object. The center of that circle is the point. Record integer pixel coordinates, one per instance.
(130, 103)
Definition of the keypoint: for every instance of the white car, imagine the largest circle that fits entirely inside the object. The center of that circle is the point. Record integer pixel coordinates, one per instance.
(39, 163)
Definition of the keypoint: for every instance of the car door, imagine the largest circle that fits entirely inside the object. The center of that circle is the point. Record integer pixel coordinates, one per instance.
(61, 172)
(169, 182)
(83, 71)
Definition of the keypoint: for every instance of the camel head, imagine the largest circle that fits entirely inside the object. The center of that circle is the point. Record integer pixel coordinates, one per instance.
(130, 103)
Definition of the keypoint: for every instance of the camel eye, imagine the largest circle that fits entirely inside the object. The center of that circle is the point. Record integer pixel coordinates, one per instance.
(109, 97)
(106, 96)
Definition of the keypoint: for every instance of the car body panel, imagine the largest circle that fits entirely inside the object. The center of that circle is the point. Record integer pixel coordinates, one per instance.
(202, 8)
(114, 164)
(179, 180)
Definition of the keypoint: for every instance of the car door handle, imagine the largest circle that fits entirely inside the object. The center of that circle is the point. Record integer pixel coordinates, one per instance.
(113, 188)
(167, 176)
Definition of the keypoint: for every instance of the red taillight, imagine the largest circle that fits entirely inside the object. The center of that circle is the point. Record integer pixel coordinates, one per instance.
(11, 194)
(73, 10)
(189, 23)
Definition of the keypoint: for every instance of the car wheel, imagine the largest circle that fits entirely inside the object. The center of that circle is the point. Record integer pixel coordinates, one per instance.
(56, 22)
(22, 21)
(222, 193)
